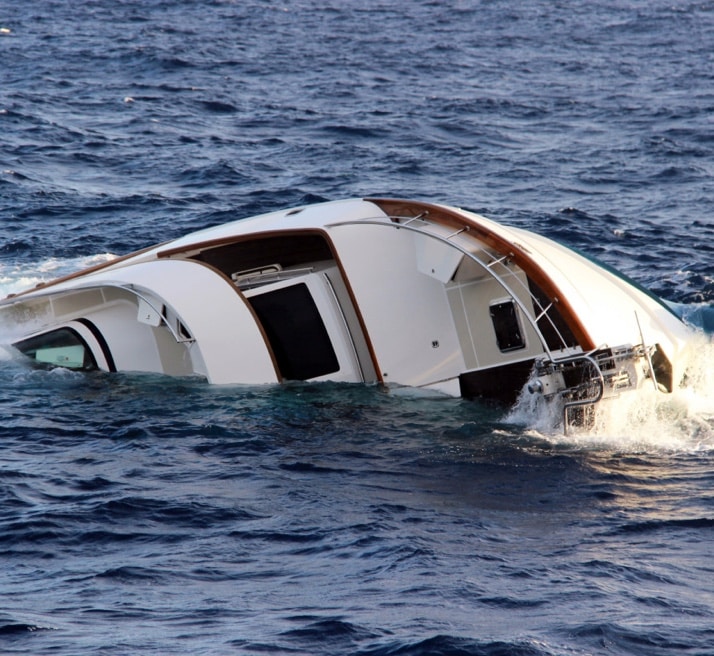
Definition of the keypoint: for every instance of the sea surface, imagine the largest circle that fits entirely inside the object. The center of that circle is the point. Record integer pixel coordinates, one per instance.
(141, 515)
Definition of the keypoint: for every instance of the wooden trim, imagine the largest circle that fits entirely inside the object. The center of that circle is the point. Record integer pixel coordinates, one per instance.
(358, 312)
(447, 217)
(246, 302)
(189, 251)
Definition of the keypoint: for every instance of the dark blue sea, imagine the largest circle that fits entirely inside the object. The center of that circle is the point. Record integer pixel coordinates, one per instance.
(141, 515)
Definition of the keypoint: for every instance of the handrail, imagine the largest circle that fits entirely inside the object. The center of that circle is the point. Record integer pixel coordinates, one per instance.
(590, 400)
(129, 287)
(648, 356)
(393, 222)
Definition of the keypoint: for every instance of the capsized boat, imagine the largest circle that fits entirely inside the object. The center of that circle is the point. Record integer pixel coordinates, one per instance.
(364, 290)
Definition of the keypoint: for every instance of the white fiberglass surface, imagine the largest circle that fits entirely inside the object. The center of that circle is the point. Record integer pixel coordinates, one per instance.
(406, 313)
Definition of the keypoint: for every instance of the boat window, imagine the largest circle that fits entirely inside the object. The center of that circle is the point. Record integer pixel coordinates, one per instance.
(296, 332)
(509, 335)
(62, 348)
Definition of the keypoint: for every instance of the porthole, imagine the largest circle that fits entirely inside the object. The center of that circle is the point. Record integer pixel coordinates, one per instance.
(509, 334)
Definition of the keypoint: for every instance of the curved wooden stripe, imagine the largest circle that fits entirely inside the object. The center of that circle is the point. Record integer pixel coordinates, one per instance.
(453, 219)
(189, 250)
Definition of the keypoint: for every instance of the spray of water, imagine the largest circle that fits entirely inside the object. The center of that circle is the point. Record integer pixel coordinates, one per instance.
(642, 420)
(15, 278)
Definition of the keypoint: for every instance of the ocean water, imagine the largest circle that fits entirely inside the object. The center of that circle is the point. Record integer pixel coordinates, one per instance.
(144, 515)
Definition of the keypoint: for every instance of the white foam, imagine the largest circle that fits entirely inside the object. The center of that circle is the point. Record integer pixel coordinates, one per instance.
(15, 278)
(645, 420)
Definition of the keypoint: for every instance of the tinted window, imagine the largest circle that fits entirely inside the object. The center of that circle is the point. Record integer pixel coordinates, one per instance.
(60, 348)
(508, 329)
(296, 332)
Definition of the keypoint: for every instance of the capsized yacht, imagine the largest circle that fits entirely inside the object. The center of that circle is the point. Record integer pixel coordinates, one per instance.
(373, 290)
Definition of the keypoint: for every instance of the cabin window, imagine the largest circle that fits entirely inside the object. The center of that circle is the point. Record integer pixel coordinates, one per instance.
(509, 334)
(61, 348)
(296, 332)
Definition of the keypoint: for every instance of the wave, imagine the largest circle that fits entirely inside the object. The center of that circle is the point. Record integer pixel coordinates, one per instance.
(17, 277)
(456, 646)
(648, 526)
(18, 628)
(611, 637)
(699, 315)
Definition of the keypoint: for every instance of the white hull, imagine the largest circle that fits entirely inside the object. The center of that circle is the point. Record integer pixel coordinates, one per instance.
(362, 291)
